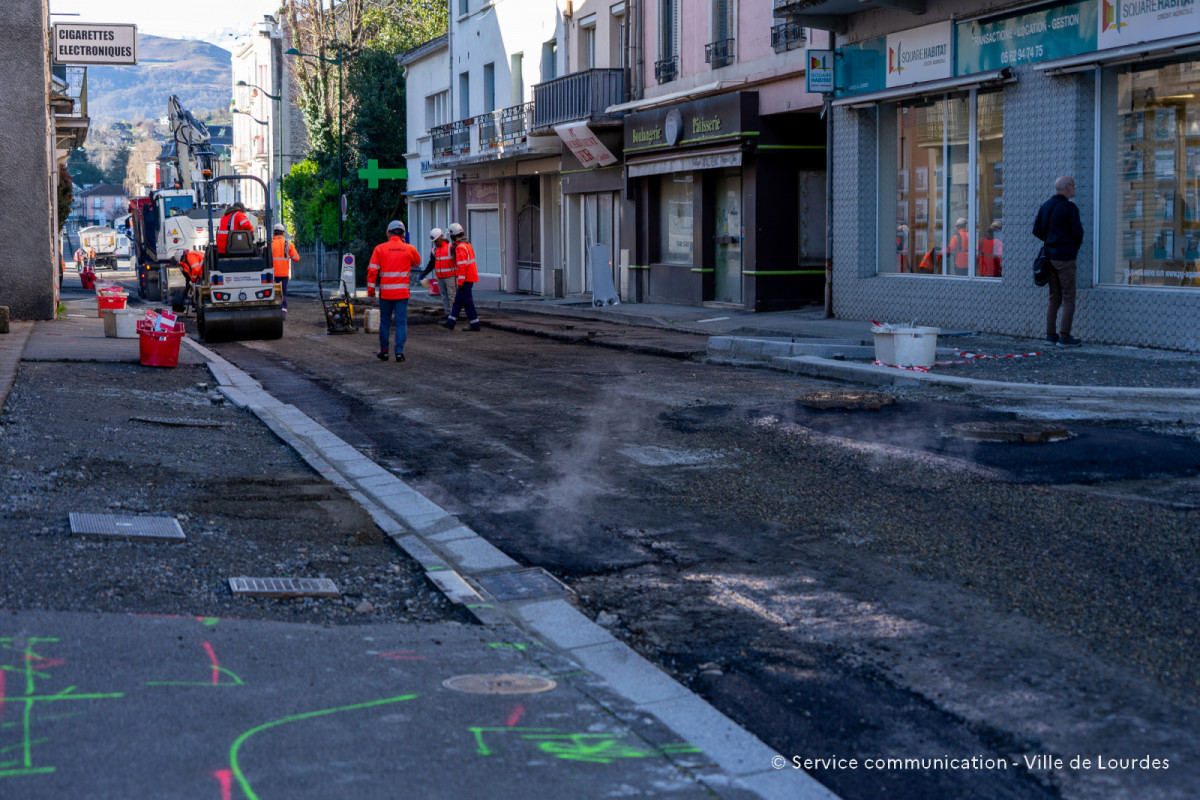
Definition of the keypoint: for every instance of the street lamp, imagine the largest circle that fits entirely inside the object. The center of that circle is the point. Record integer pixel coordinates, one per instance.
(291, 51)
(268, 126)
(278, 98)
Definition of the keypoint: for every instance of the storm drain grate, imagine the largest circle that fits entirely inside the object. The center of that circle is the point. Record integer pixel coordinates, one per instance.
(525, 584)
(849, 401)
(1010, 431)
(284, 587)
(110, 526)
(503, 683)
(182, 422)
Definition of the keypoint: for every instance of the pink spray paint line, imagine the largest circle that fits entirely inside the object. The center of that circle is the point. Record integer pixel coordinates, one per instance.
(225, 778)
(216, 667)
(44, 663)
(402, 655)
(515, 716)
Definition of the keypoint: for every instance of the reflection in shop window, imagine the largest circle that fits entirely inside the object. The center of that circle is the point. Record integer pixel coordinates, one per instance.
(939, 204)
(1150, 175)
(675, 219)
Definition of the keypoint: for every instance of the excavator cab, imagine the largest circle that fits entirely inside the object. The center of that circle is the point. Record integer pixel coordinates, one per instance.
(237, 297)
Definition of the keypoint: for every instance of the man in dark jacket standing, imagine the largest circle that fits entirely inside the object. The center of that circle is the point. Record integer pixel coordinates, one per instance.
(1058, 225)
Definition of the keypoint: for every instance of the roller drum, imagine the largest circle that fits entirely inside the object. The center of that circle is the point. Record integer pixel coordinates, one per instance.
(240, 325)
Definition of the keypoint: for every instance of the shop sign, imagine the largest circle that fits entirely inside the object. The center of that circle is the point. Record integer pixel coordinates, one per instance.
(584, 145)
(94, 43)
(483, 194)
(1067, 30)
(1122, 22)
(719, 117)
(861, 67)
(919, 54)
(819, 71)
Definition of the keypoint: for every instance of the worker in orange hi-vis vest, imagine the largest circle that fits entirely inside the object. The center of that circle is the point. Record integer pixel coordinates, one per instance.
(468, 275)
(283, 253)
(234, 219)
(191, 264)
(391, 267)
(443, 266)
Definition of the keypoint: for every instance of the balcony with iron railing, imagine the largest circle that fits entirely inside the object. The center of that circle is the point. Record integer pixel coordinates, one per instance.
(450, 139)
(505, 126)
(719, 53)
(783, 8)
(578, 96)
(787, 36)
(667, 69)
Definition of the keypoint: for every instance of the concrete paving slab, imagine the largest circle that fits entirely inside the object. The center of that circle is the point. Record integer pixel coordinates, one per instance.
(561, 624)
(628, 673)
(471, 555)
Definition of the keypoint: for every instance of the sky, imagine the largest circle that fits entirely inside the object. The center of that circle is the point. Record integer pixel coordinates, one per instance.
(220, 22)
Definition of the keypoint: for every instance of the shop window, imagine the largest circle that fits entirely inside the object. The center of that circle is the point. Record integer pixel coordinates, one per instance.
(948, 170)
(675, 219)
(1149, 196)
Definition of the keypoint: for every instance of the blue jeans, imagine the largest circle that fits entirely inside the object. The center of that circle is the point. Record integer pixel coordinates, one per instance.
(387, 308)
(465, 299)
(283, 290)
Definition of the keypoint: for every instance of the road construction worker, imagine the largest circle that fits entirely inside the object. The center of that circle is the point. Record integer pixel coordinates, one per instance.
(283, 253)
(991, 251)
(91, 257)
(960, 247)
(463, 255)
(191, 264)
(443, 266)
(391, 268)
(234, 219)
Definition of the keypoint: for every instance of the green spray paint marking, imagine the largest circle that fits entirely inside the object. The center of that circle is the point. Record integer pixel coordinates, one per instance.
(595, 748)
(32, 667)
(233, 751)
(522, 646)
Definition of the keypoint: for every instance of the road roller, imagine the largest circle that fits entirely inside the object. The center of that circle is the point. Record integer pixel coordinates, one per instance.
(237, 297)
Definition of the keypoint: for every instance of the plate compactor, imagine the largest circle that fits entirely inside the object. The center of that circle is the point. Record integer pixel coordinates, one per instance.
(339, 311)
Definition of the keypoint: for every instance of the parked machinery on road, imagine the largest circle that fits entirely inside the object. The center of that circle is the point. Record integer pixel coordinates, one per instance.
(103, 240)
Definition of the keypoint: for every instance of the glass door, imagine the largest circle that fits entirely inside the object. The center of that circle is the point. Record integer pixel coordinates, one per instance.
(727, 264)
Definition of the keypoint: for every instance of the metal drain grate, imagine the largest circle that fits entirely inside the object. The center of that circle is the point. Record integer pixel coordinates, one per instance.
(851, 401)
(284, 587)
(525, 584)
(499, 684)
(115, 526)
(1013, 431)
(182, 422)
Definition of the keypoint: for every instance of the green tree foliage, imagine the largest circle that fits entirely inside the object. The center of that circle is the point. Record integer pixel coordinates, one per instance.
(117, 172)
(66, 195)
(310, 204)
(83, 171)
(399, 25)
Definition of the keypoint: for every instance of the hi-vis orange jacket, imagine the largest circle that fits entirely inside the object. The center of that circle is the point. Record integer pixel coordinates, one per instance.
(283, 253)
(464, 257)
(192, 264)
(234, 220)
(392, 262)
(443, 265)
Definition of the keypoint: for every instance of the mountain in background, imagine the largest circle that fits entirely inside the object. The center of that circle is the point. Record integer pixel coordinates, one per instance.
(199, 72)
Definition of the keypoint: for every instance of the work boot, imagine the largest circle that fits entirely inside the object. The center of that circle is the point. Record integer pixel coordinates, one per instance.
(475, 326)
(448, 324)
(399, 357)
(382, 354)
(1066, 340)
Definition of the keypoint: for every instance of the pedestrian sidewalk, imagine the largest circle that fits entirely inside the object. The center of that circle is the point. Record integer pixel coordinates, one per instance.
(623, 726)
(804, 341)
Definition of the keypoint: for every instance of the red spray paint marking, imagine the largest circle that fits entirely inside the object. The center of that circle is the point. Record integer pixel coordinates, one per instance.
(515, 716)
(44, 663)
(401, 655)
(225, 778)
(216, 668)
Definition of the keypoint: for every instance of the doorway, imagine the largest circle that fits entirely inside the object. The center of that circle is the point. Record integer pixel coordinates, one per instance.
(600, 226)
(727, 258)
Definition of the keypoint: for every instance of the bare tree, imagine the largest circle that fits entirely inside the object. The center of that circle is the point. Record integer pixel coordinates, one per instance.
(135, 171)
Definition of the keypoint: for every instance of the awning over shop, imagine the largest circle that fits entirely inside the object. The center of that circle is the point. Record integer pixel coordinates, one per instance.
(676, 161)
(977, 80)
(440, 191)
(1163, 48)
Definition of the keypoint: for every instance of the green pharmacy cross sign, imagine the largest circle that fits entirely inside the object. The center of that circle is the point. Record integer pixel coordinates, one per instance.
(373, 174)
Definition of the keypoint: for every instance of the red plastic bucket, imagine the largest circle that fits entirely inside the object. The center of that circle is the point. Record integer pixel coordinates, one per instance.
(109, 302)
(159, 348)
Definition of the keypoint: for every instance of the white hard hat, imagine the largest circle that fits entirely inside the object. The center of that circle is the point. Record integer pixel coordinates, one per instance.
(279, 228)
(436, 234)
(395, 225)
(456, 229)
(961, 222)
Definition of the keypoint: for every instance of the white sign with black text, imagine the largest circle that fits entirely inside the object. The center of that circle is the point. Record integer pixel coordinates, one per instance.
(94, 43)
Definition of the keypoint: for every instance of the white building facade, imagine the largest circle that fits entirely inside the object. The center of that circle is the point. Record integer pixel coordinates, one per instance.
(427, 82)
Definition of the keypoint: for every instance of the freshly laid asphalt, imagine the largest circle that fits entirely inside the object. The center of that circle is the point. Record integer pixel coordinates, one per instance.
(192, 707)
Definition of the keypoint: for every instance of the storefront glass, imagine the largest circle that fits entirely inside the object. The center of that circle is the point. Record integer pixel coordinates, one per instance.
(1150, 175)
(929, 144)
(675, 219)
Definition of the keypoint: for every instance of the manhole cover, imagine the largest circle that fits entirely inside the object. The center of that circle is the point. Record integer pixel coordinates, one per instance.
(182, 422)
(284, 587)
(865, 401)
(499, 684)
(1010, 431)
(115, 526)
(525, 584)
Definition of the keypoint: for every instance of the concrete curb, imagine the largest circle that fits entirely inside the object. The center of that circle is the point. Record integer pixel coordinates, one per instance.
(11, 346)
(447, 550)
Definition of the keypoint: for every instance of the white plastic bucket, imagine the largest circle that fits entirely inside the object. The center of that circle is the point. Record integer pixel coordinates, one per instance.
(906, 347)
(372, 323)
(121, 323)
